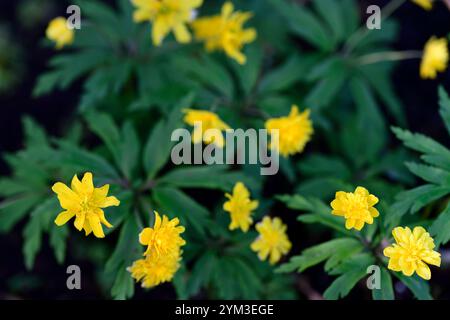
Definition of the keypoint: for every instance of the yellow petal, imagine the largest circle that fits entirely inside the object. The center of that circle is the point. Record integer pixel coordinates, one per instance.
(96, 226)
(145, 236)
(423, 270)
(88, 184)
(110, 201)
(79, 221)
(67, 198)
(63, 217)
(181, 33)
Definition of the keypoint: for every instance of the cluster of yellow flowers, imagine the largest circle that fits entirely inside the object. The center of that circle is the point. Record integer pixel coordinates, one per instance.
(85, 202)
(219, 32)
(163, 254)
(295, 130)
(223, 32)
(412, 250)
(272, 241)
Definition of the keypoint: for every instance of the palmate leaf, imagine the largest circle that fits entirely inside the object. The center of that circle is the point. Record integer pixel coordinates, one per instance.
(39, 222)
(334, 15)
(333, 251)
(304, 23)
(386, 291)
(436, 172)
(441, 227)
(418, 286)
(157, 149)
(126, 251)
(350, 272)
(433, 152)
(249, 72)
(316, 212)
(175, 203)
(209, 177)
(286, 75)
(208, 72)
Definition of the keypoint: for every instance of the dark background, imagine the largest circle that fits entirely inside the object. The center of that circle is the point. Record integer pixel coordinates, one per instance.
(419, 98)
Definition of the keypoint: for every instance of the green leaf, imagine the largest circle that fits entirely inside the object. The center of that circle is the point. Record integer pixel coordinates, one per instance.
(208, 72)
(82, 160)
(157, 149)
(284, 76)
(175, 203)
(440, 228)
(123, 287)
(12, 210)
(103, 125)
(40, 219)
(58, 236)
(429, 174)
(325, 90)
(304, 24)
(418, 287)
(250, 71)
(209, 177)
(317, 254)
(126, 251)
(386, 291)
(201, 272)
(413, 200)
(343, 284)
(434, 153)
(370, 120)
(333, 14)
(129, 149)
(351, 271)
(322, 165)
(444, 103)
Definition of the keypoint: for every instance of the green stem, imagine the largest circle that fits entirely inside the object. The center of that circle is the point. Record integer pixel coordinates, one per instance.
(388, 56)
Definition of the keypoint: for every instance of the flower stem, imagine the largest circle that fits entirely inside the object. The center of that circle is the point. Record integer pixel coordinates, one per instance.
(388, 56)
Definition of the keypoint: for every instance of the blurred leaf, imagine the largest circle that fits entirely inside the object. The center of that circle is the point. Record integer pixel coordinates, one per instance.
(329, 250)
(176, 203)
(386, 291)
(418, 287)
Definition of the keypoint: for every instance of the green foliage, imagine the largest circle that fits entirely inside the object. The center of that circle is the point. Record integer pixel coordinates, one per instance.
(133, 97)
(434, 170)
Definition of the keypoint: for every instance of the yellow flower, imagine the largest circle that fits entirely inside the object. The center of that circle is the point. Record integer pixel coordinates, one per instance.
(272, 240)
(435, 58)
(202, 121)
(166, 16)
(356, 207)
(295, 131)
(240, 207)
(155, 269)
(164, 238)
(58, 32)
(84, 202)
(426, 4)
(225, 32)
(412, 251)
